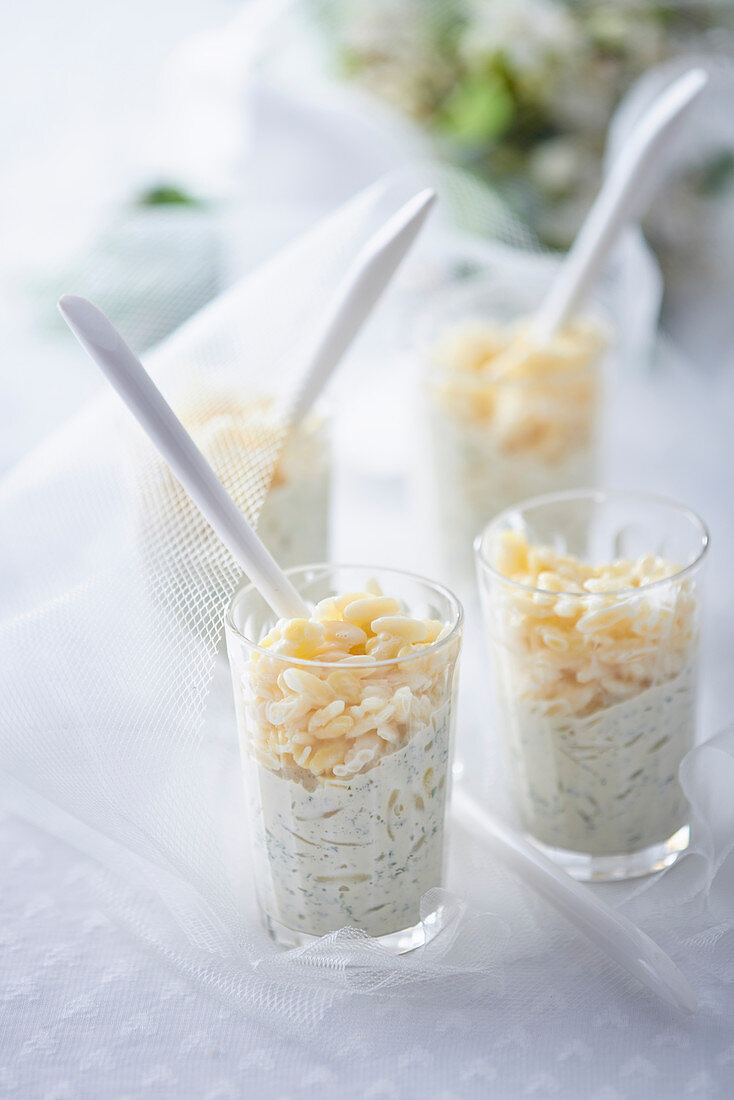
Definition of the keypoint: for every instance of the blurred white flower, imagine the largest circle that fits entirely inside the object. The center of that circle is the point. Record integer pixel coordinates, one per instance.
(523, 90)
(566, 174)
(558, 165)
(394, 48)
(530, 35)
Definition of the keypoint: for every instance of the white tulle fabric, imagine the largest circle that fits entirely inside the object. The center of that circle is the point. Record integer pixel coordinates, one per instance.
(117, 726)
(116, 729)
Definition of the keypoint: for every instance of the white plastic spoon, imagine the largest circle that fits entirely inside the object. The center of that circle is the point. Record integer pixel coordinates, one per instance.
(608, 930)
(357, 295)
(621, 198)
(123, 369)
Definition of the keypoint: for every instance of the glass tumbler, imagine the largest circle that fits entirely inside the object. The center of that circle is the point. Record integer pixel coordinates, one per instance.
(502, 421)
(239, 435)
(595, 680)
(347, 829)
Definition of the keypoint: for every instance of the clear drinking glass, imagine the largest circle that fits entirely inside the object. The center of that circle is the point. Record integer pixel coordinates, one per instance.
(595, 681)
(240, 437)
(501, 427)
(362, 840)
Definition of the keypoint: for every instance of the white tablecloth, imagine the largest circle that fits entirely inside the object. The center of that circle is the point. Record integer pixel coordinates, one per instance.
(87, 1013)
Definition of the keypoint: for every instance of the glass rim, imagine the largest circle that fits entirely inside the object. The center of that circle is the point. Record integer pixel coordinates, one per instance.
(437, 304)
(598, 496)
(245, 585)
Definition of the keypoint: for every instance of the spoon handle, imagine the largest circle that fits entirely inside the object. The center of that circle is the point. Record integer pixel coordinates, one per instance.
(357, 295)
(617, 203)
(610, 931)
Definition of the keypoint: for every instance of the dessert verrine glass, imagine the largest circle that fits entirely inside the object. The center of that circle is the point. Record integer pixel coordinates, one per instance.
(505, 419)
(279, 477)
(346, 727)
(294, 518)
(591, 604)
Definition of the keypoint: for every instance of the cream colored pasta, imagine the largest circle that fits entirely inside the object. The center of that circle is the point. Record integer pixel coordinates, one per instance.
(589, 636)
(529, 400)
(334, 723)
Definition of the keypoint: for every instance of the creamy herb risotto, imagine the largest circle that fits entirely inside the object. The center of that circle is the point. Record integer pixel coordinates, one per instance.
(596, 685)
(508, 420)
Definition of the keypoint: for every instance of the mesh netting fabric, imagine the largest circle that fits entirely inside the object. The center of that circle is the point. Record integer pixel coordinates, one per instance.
(151, 269)
(117, 726)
